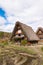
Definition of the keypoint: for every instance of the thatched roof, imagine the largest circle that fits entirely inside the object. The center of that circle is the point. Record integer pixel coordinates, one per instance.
(39, 29)
(40, 32)
(28, 31)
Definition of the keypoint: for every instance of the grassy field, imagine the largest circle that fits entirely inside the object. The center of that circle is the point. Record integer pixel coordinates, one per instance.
(11, 54)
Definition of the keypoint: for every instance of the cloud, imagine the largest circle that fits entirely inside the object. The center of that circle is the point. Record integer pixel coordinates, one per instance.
(7, 28)
(29, 12)
(2, 21)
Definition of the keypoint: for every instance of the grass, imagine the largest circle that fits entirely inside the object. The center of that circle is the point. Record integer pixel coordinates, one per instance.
(24, 49)
(17, 48)
(11, 49)
(41, 48)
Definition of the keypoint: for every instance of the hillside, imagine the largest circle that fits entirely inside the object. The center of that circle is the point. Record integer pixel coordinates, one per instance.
(4, 36)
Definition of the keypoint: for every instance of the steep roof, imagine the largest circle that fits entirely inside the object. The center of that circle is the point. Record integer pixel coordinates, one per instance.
(40, 28)
(28, 31)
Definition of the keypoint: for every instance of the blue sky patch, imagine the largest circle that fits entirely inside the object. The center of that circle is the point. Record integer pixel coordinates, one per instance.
(2, 13)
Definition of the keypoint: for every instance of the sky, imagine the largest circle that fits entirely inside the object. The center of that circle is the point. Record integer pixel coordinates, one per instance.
(29, 12)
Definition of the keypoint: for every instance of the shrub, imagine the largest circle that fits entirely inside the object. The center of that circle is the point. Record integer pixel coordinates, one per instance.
(24, 42)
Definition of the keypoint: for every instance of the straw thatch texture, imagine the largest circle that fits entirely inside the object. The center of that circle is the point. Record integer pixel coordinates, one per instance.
(40, 32)
(28, 32)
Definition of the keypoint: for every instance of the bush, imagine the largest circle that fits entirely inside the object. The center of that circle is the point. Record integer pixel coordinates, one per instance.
(24, 42)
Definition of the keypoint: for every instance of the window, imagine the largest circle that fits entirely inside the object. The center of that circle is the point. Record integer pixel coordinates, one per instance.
(19, 31)
(40, 32)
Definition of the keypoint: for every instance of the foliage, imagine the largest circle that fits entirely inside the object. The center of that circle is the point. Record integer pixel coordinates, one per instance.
(4, 44)
(42, 48)
(1, 34)
(24, 42)
(4, 34)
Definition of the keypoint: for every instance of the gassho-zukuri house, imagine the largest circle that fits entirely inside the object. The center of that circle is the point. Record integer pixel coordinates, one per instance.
(39, 33)
(22, 31)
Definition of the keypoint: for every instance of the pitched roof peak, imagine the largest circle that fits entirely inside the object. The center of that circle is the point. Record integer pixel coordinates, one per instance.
(28, 31)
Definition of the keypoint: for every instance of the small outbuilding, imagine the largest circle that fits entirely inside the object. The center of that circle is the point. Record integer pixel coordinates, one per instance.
(22, 31)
